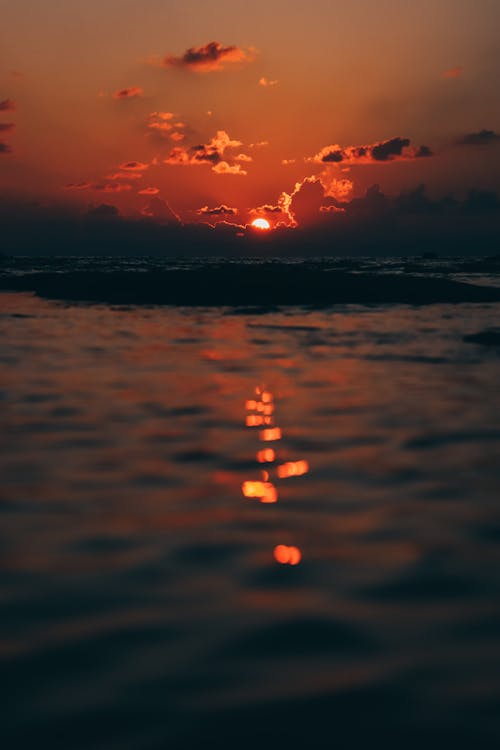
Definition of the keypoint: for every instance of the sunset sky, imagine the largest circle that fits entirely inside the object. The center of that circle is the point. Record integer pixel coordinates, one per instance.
(221, 109)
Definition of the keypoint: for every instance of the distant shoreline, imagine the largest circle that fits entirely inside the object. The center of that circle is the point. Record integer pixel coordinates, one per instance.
(238, 285)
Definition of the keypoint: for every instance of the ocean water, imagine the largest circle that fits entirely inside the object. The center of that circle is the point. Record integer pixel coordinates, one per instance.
(158, 590)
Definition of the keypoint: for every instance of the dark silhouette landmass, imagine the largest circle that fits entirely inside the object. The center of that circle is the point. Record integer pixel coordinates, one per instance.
(490, 337)
(237, 285)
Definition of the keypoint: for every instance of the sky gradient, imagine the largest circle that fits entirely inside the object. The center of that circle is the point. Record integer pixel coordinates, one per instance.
(225, 110)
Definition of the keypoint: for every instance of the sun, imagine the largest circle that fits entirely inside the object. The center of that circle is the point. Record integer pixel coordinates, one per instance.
(262, 224)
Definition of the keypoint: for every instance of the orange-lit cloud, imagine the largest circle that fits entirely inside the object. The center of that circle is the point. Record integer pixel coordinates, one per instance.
(132, 92)
(224, 168)
(273, 214)
(243, 157)
(380, 152)
(453, 72)
(162, 123)
(131, 175)
(266, 82)
(217, 211)
(133, 166)
(209, 153)
(7, 105)
(176, 136)
(208, 58)
(110, 187)
(335, 188)
(149, 191)
(288, 162)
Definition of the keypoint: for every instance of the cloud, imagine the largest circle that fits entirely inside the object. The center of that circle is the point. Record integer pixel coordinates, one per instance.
(160, 210)
(133, 166)
(482, 138)
(161, 121)
(207, 58)
(177, 136)
(305, 201)
(99, 187)
(5, 127)
(103, 211)
(209, 153)
(149, 191)
(217, 211)
(275, 214)
(110, 187)
(132, 92)
(224, 168)
(334, 188)
(125, 176)
(78, 186)
(5, 148)
(266, 82)
(7, 105)
(243, 157)
(423, 152)
(453, 72)
(383, 151)
(288, 162)
(267, 209)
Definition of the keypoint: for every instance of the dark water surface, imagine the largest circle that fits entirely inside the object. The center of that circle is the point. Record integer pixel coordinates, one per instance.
(142, 606)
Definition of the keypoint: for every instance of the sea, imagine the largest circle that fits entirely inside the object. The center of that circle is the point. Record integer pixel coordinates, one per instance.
(241, 526)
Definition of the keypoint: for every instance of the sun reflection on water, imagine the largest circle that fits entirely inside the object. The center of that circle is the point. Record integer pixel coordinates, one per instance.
(261, 414)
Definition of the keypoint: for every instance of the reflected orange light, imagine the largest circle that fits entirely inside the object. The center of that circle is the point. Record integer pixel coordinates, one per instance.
(293, 469)
(267, 397)
(251, 405)
(267, 456)
(273, 433)
(287, 555)
(268, 409)
(265, 491)
(253, 420)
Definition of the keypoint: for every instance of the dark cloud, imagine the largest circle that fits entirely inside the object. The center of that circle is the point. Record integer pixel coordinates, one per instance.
(387, 150)
(160, 210)
(5, 148)
(482, 138)
(7, 105)
(373, 224)
(423, 152)
(208, 57)
(6, 127)
(132, 92)
(383, 151)
(134, 166)
(217, 211)
(103, 211)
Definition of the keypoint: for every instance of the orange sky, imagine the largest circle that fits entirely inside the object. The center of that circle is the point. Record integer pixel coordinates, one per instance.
(88, 87)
